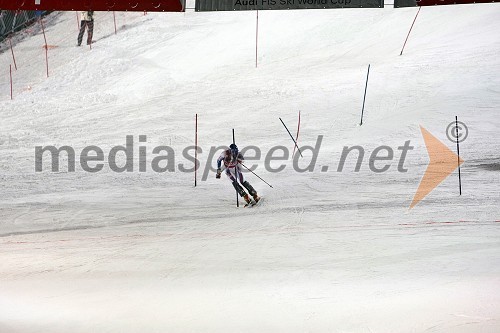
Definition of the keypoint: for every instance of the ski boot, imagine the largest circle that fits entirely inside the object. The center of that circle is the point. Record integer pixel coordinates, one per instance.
(247, 199)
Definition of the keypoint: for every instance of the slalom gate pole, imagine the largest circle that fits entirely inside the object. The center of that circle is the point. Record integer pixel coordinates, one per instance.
(458, 153)
(257, 40)
(12, 51)
(410, 30)
(11, 89)
(195, 150)
(257, 175)
(364, 98)
(46, 47)
(114, 19)
(291, 137)
(237, 176)
(297, 137)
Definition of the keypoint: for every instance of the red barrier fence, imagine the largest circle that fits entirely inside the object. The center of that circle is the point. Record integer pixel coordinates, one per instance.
(67, 38)
(96, 5)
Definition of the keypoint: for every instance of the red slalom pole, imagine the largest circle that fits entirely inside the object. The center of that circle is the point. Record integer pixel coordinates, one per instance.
(46, 47)
(11, 88)
(291, 137)
(410, 31)
(114, 19)
(12, 51)
(257, 40)
(297, 137)
(195, 150)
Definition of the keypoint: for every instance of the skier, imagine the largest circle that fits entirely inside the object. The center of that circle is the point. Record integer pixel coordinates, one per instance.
(232, 158)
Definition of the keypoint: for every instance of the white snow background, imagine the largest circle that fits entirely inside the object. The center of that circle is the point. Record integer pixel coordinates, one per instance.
(325, 251)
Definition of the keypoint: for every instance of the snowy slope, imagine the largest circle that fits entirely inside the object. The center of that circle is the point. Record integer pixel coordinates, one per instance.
(326, 251)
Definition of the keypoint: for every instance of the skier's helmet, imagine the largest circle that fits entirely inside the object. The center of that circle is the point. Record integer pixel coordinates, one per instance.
(234, 149)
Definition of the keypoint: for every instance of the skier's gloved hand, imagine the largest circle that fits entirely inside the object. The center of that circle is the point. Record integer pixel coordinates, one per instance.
(218, 173)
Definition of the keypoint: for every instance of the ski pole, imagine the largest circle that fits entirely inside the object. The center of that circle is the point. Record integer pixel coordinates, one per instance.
(257, 175)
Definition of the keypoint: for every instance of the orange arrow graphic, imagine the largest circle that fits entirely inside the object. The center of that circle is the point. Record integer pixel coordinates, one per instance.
(442, 163)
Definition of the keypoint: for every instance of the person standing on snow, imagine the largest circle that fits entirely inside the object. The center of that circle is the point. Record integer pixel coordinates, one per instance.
(232, 159)
(87, 22)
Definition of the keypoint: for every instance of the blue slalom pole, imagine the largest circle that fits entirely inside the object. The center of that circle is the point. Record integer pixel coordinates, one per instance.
(458, 154)
(237, 177)
(364, 98)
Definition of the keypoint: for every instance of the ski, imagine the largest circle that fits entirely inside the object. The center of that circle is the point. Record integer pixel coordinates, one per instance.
(253, 203)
